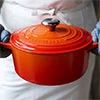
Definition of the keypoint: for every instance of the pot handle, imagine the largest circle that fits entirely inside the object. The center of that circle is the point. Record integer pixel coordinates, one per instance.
(94, 48)
(95, 45)
(6, 45)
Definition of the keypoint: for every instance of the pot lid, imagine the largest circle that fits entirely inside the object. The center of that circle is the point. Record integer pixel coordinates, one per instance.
(51, 37)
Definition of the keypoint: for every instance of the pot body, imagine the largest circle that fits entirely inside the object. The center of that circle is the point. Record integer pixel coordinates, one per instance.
(50, 69)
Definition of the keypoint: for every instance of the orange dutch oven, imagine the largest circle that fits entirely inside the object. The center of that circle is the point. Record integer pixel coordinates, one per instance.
(50, 53)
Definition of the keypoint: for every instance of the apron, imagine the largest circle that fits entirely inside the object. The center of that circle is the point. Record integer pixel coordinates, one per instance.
(15, 15)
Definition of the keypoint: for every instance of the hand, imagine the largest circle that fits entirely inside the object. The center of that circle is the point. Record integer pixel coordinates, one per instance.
(4, 37)
(96, 38)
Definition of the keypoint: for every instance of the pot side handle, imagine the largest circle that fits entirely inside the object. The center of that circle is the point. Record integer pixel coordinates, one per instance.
(6, 45)
(95, 45)
(94, 48)
(5, 49)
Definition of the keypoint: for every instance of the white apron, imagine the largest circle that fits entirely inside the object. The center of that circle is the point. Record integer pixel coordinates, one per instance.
(15, 15)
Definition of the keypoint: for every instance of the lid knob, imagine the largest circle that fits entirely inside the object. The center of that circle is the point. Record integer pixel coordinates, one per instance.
(50, 23)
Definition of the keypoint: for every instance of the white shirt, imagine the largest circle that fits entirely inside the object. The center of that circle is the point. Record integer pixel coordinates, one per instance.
(20, 14)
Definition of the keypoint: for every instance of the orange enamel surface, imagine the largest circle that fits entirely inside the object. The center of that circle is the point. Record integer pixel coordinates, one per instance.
(53, 69)
(40, 39)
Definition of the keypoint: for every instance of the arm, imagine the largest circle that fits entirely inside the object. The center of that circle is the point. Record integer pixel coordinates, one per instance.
(96, 37)
(4, 37)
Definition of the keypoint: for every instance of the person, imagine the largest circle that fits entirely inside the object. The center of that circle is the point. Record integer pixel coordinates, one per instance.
(96, 72)
(16, 14)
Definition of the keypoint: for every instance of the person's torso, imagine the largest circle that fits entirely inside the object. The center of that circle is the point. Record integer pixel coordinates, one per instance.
(14, 17)
(27, 13)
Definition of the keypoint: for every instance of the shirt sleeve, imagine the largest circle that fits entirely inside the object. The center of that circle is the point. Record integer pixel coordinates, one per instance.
(96, 33)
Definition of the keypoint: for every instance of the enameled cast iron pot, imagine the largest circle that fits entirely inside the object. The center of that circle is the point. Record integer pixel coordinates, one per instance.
(50, 53)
